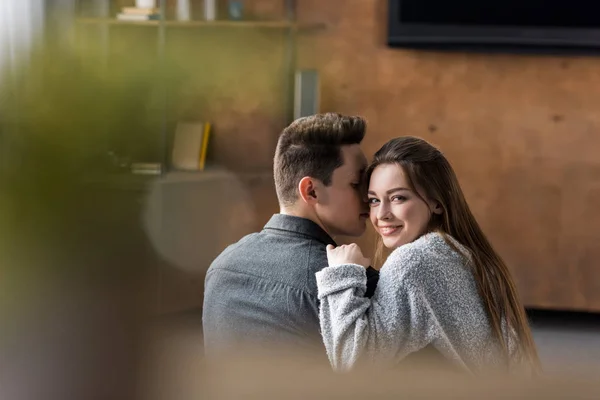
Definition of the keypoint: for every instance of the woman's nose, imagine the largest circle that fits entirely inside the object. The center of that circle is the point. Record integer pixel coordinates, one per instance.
(383, 212)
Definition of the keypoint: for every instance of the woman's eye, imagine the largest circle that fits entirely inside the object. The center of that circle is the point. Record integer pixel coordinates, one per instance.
(372, 201)
(398, 198)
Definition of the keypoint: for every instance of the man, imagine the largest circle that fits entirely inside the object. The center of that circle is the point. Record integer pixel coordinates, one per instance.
(262, 289)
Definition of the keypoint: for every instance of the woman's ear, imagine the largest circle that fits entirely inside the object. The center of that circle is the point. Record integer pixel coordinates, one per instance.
(436, 208)
(307, 190)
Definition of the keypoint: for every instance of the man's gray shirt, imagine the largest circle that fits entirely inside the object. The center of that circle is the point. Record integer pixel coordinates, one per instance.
(262, 289)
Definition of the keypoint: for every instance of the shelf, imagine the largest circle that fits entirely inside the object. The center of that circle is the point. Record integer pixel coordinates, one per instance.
(206, 24)
(139, 182)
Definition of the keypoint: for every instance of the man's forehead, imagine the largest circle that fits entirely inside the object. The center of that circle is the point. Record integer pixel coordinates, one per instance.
(354, 159)
(353, 151)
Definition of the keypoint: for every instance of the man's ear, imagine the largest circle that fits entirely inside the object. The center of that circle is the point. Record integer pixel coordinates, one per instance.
(308, 190)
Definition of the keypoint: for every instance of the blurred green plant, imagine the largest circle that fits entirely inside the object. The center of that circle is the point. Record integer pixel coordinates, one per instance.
(65, 120)
(73, 112)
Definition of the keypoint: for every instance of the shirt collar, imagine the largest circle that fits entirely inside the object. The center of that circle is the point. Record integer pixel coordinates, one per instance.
(300, 225)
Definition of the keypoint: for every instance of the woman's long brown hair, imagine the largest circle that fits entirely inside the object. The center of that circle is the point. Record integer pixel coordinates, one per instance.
(432, 177)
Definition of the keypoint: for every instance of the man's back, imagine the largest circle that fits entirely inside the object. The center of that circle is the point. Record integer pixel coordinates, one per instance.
(262, 289)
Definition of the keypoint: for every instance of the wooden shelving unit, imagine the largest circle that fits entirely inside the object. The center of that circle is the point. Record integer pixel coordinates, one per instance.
(176, 205)
(287, 26)
(207, 24)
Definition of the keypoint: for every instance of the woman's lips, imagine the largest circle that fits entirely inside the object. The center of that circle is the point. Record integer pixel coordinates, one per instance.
(389, 230)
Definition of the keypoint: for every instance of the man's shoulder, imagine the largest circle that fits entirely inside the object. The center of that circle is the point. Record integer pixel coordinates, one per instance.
(272, 244)
(236, 249)
(272, 256)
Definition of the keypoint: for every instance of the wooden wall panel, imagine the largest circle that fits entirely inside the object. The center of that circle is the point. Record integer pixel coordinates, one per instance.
(522, 132)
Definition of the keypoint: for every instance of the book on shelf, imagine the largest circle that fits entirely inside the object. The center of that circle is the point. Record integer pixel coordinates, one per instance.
(141, 168)
(138, 14)
(190, 145)
(140, 11)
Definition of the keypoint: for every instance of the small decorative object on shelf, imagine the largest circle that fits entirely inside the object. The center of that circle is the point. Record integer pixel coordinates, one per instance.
(210, 10)
(235, 9)
(117, 162)
(183, 10)
(306, 93)
(138, 14)
(146, 168)
(145, 3)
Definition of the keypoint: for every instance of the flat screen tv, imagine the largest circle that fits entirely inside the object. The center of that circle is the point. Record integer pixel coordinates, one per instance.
(542, 25)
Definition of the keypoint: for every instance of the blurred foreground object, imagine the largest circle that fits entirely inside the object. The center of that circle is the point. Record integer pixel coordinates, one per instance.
(20, 22)
(71, 291)
(174, 371)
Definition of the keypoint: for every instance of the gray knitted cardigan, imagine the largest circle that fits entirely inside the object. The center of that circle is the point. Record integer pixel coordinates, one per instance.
(426, 296)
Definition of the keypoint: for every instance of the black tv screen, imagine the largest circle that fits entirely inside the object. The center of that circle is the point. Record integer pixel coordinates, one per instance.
(495, 24)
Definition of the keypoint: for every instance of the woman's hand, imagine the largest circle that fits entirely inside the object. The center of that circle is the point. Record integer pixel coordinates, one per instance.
(346, 254)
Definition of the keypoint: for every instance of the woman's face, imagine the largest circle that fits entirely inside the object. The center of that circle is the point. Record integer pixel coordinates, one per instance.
(398, 214)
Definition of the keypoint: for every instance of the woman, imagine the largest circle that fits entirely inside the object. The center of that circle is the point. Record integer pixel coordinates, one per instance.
(443, 290)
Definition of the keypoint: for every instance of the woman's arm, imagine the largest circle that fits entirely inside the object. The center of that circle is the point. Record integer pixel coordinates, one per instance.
(387, 327)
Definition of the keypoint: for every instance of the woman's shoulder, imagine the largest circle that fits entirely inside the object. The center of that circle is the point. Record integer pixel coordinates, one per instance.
(432, 253)
(431, 244)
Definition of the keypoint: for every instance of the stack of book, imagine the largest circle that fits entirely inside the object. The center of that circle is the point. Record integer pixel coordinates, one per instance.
(138, 14)
(190, 145)
(146, 168)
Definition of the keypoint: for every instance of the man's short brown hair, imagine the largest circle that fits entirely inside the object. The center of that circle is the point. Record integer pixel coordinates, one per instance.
(310, 146)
